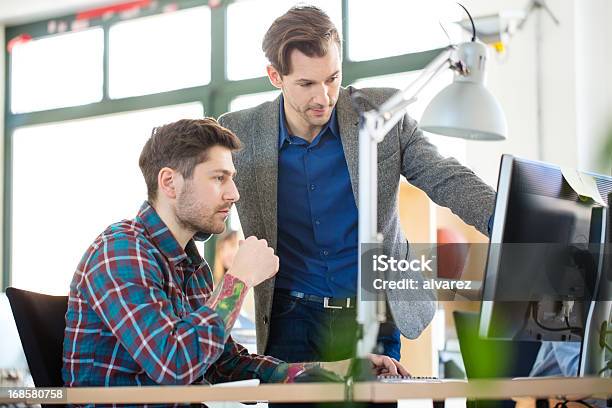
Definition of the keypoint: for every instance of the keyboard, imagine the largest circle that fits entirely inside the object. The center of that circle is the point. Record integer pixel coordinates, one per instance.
(400, 379)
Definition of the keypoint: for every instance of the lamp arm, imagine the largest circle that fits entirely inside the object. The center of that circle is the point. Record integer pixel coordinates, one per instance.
(401, 99)
(375, 124)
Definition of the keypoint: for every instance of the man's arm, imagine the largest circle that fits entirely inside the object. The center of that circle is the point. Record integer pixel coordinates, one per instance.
(237, 364)
(445, 180)
(227, 300)
(124, 285)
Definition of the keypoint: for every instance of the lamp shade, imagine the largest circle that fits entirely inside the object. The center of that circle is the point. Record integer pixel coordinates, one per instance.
(465, 108)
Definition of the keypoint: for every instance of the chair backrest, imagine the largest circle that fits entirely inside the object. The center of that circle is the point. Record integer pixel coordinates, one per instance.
(40, 321)
(485, 358)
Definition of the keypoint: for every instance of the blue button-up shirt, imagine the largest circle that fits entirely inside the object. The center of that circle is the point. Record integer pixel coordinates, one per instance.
(317, 215)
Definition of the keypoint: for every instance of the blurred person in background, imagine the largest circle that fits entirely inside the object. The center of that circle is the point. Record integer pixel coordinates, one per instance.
(225, 251)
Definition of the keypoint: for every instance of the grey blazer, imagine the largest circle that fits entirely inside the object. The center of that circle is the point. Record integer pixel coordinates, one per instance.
(404, 151)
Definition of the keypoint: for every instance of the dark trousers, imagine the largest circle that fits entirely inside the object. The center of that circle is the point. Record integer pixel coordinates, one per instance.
(306, 331)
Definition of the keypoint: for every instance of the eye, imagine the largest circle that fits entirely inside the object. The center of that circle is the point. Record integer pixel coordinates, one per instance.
(333, 79)
(305, 85)
(220, 178)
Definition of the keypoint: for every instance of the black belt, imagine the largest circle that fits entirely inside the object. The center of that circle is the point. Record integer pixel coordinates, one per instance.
(328, 302)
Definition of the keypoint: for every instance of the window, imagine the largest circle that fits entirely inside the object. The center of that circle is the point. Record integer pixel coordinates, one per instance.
(70, 181)
(251, 100)
(160, 53)
(57, 71)
(389, 27)
(54, 178)
(12, 355)
(247, 23)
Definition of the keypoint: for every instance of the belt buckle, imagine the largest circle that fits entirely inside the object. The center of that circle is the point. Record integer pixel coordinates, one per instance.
(326, 304)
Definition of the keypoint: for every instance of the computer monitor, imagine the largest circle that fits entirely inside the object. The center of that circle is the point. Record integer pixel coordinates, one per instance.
(545, 255)
(594, 359)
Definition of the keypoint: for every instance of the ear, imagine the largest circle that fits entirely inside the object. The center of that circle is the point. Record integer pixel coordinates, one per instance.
(168, 182)
(276, 79)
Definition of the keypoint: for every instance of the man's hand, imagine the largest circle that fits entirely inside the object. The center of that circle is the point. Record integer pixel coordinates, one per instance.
(254, 262)
(381, 365)
(385, 365)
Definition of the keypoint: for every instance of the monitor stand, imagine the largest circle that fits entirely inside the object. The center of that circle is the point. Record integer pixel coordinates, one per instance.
(593, 354)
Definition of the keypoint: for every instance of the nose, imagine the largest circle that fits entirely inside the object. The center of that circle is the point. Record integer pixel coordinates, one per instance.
(232, 194)
(321, 96)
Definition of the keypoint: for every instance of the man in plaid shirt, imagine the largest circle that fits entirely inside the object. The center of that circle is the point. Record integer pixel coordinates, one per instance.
(142, 309)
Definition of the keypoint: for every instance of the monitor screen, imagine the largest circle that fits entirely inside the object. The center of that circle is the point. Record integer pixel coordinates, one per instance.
(544, 254)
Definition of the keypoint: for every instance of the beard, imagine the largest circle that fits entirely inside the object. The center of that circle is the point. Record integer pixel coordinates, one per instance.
(317, 121)
(302, 111)
(194, 215)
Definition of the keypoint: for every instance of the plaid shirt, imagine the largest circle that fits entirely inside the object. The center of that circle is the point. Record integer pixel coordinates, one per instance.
(138, 315)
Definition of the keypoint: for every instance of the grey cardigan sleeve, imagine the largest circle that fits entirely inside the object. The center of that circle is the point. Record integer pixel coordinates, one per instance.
(445, 180)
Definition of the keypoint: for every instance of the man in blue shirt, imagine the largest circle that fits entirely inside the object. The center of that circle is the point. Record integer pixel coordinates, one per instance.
(317, 242)
(298, 176)
(557, 359)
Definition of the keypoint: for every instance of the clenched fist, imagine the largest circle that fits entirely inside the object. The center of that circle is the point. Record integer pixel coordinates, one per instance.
(254, 262)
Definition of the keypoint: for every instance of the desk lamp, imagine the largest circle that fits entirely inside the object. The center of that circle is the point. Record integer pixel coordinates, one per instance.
(464, 109)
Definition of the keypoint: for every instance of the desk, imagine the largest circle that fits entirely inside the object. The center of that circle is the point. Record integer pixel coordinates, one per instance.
(368, 391)
(486, 389)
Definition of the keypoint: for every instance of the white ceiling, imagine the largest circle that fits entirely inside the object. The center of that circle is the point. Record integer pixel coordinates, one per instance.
(24, 11)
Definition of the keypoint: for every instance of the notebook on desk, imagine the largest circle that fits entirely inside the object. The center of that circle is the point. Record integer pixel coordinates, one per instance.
(240, 383)
(232, 404)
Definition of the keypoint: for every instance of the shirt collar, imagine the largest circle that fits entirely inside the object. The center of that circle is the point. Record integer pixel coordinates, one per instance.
(163, 239)
(283, 134)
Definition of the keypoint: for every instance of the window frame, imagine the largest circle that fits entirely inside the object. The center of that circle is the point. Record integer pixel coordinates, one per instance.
(214, 96)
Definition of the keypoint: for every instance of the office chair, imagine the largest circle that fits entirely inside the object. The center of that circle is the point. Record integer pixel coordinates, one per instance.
(485, 358)
(40, 321)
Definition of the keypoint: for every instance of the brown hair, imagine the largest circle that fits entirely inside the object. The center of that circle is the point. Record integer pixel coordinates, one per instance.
(181, 146)
(305, 28)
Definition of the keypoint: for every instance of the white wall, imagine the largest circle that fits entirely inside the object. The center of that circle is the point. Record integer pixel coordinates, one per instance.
(1, 143)
(512, 79)
(593, 65)
(575, 94)
(577, 61)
